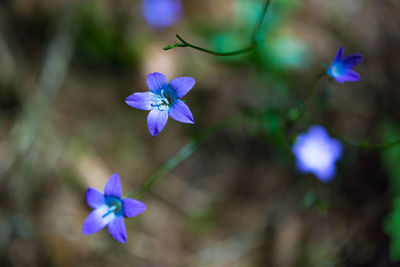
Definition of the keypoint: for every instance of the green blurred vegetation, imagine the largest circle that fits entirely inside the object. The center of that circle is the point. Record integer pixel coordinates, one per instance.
(390, 160)
(101, 40)
(222, 192)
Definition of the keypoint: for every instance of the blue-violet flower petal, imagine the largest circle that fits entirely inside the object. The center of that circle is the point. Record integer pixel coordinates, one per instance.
(97, 220)
(156, 120)
(162, 13)
(117, 229)
(132, 207)
(156, 81)
(163, 100)
(182, 85)
(113, 186)
(317, 153)
(141, 100)
(110, 209)
(340, 68)
(181, 112)
(94, 198)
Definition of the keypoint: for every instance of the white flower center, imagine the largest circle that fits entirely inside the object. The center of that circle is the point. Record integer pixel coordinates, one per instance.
(163, 101)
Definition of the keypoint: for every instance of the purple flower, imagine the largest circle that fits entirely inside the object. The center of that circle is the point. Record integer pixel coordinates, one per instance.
(340, 69)
(317, 153)
(110, 209)
(163, 100)
(161, 13)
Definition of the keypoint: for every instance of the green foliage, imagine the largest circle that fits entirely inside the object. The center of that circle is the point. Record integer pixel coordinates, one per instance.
(390, 161)
(285, 51)
(309, 199)
(392, 227)
(270, 123)
(101, 41)
(228, 42)
(247, 12)
(318, 256)
(273, 124)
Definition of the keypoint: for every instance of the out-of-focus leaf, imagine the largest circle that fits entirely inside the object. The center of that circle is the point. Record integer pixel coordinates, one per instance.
(309, 199)
(391, 157)
(248, 11)
(392, 228)
(286, 52)
(390, 161)
(101, 42)
(271, 123)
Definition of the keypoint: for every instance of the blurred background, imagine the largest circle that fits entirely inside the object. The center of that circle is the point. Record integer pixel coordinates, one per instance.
(230, 194)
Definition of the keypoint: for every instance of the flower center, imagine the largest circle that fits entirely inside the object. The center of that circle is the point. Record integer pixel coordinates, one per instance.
(114, 206)
(164, 100)
(338, 68)
(316, 154)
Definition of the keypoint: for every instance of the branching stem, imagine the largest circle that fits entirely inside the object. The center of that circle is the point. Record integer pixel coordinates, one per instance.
(254, 38)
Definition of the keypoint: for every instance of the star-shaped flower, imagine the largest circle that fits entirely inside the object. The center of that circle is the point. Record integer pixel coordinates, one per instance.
(317, 153)
(110, 209)
(163, 100)
(162, 13)
(341, 67)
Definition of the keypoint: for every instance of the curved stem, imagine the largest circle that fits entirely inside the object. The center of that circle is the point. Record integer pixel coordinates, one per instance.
(215, 53)
(260, 20)
(252, 46)
(365, 145)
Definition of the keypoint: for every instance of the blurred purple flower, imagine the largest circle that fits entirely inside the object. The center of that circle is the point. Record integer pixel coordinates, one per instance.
(161, 13)
(163, 100)
(317, 153)
(340, 68)
(110, 209)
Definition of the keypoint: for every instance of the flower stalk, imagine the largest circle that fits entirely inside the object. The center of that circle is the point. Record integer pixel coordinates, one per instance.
(254, 41)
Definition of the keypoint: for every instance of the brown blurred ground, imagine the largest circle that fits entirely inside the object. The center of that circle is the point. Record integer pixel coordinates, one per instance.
(237, 201)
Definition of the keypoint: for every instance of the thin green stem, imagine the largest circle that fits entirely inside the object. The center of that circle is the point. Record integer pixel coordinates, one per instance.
(129, 194)
(252, 46)
(215, 53)
(371, 146)
(300, 111)
(366, 145)
(313, 87)
(182, 154)
(361, 145)
(259, 23)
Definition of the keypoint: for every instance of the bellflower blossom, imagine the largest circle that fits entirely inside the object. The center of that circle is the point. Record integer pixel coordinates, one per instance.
(340, 68)
(317, 153)
(161, 13)
(163, 100)
(110, 209)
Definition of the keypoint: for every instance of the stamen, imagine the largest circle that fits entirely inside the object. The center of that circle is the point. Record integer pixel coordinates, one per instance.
(110, 210)
(162, 100)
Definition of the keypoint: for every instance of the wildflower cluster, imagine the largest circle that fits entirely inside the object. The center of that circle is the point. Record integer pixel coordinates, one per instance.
(315, 151)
